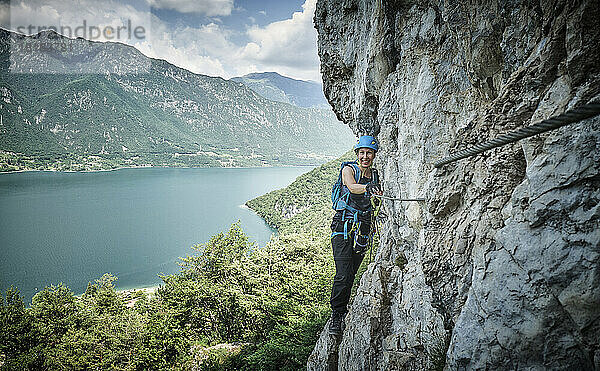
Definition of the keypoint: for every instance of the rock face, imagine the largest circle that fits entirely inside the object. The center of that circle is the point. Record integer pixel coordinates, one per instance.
(499, 268)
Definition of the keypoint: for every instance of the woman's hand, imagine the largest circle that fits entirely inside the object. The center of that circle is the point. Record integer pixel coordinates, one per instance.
(374, 188)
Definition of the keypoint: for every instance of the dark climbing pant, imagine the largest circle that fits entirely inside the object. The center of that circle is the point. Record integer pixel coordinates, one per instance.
(346, 266)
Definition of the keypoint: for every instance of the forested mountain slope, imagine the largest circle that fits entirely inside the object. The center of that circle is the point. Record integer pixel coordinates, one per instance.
(93, 105)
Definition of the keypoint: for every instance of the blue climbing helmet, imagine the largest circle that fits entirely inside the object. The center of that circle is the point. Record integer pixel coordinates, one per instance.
(367, 141)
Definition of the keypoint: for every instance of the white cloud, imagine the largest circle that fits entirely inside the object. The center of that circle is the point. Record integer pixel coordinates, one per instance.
(4, 14)
(288, 46)
(200, 50)
(185, 57)
(101, 20)
(206, 7)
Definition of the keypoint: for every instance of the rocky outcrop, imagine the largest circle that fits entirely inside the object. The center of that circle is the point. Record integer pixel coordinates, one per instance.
(499, 268)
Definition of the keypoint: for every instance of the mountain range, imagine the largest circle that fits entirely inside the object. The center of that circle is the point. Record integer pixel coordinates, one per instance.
(276, 87)
(73, 104)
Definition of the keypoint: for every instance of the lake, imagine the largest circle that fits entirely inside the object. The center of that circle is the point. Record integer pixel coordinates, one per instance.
(133, 223)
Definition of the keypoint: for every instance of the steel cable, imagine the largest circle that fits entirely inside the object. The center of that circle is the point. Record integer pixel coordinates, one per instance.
(578, 114)
(398, 199)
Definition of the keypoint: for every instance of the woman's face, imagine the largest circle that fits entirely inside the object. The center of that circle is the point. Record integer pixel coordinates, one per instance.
(365, 157)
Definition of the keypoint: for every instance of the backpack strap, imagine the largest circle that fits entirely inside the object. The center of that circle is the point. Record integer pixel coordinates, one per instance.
(356, 169)
(357, 174)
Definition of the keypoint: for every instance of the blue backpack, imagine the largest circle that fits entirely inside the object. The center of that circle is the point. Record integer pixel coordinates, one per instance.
(340, 193)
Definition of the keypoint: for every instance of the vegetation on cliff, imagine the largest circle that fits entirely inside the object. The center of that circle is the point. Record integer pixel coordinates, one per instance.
(305, 205)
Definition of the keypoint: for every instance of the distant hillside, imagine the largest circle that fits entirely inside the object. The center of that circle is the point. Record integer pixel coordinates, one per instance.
(273, 86)
(96, 112)
(304, 205)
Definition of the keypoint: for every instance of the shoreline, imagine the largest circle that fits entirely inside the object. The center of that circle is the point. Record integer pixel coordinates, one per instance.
(129, 295)
(148, 167)
(148, 290)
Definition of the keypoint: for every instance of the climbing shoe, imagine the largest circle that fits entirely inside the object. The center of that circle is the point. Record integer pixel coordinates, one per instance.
(336, 324)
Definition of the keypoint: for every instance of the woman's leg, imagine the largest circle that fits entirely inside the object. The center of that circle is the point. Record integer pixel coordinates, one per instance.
(344, 272)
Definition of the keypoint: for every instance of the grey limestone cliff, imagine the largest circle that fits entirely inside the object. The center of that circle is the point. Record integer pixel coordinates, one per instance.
(499, 268)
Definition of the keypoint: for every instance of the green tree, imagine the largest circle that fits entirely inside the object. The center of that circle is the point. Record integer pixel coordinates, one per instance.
(20, 343)
(207, 295)
(274, 299)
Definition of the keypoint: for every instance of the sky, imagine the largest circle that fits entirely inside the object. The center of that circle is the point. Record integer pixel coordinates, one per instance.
(224, 38)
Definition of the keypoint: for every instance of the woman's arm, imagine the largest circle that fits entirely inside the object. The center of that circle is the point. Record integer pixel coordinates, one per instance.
(348, 179)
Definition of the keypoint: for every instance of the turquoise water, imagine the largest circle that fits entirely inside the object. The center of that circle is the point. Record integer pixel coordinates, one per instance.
(133, 223)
